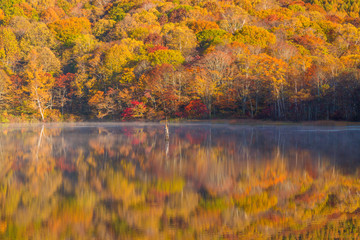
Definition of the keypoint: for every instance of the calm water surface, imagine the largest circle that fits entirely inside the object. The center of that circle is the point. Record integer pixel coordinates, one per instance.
(124, 181)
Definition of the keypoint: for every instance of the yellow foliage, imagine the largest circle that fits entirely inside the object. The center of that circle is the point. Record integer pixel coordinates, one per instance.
(257, 203)
(117, 57)
(121, 188)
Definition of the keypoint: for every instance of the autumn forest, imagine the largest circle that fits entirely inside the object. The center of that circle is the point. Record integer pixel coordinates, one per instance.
(69, 60)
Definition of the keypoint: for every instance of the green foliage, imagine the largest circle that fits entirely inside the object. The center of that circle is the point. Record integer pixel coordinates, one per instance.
(297, 8)
(217, 203)
(257, 203)
(13, 198)
(172, 186)
(349, 6)
(118, 12)
(139, 33)
(121, 227)
(256, 36)
(173, 57)
(9, 8)
(212, 37)
(102, 27)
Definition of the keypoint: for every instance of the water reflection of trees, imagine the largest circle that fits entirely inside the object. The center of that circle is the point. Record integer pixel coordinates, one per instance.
(112, 182)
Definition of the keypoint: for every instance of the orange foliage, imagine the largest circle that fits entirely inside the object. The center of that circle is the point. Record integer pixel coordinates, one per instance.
(199, 25)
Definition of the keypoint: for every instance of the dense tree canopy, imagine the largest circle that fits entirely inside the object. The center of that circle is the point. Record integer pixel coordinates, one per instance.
(273, 59)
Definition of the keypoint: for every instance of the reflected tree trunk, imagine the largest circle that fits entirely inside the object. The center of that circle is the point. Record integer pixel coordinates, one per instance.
(39, 142)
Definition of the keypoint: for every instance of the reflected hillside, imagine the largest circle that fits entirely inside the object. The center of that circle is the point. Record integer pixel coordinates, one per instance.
(124, 181)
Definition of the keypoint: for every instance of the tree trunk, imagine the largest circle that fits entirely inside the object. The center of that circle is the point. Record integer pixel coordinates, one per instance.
(39, 105)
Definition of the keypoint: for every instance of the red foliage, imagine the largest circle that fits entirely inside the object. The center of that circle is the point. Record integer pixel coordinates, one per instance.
(157, 48)
(127, 113)
(196, 109)
(65, 165)
(180, 114)
(135, 103)
(273, 18)
(130, 111)
(310, 72)
(64, 81)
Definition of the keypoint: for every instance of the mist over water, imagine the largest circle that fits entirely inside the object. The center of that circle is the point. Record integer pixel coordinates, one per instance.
(124, 180)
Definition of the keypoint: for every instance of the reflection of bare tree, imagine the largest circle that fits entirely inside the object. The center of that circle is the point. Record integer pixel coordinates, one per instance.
(167, 144)
(39, 141)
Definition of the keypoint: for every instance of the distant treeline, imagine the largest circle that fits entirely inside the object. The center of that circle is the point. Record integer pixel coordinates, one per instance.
(146, 59)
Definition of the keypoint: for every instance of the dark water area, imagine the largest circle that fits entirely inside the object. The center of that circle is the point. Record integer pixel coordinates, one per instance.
(209, 181)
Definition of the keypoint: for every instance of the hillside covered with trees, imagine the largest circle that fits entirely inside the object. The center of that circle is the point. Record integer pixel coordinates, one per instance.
(151, 59)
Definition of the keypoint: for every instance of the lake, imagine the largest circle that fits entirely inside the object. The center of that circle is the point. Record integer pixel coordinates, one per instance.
(209, 181)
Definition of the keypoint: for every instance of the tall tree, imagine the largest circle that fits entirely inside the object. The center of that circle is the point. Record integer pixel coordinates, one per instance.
(39, 86)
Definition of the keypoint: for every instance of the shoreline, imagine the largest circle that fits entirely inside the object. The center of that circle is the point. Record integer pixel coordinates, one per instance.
(250, 122)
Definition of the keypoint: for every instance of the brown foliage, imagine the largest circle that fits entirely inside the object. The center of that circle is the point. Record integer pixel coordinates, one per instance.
(177, 15)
